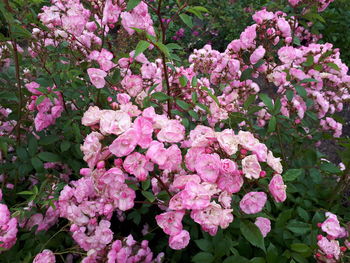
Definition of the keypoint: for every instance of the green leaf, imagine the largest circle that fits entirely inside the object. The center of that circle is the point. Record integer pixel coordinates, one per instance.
(40, 99)
(303, 214)
(249, 101)
(308, 80)
(309, 61)
(333, 66)
(49, 157)
(141, 47)
(37, 164)
(194, 82)
(194, 97)
(173, 46)
(22, 153)
(203, 257)
(47, 140)
(300, 248)
(25, 193)
(257, 260)
(150, 197)
(183, 105)
(283, 218)
(32, 146)
(211, 95)
(160, 96)
(252, 233)
(164, 49)
(132, 4)
(146, 184)
(65, 145)
(187, 20)
(292, 174)
(329, 168)
(183, 81)
(297, 227)
(272, 124)
(204, 244)
(193, 114)
(236, 259)
(301, 91)
(290, 95)
(266, 100)
(246, 74)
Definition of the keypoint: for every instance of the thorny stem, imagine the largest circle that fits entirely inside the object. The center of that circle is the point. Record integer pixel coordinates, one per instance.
(165, 68)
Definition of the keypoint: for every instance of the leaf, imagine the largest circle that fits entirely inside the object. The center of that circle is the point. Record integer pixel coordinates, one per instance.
(194, 97)
(303, 214)
(329, 168)
(194, 82)
(297, 227)
(252, 233)
(132, 4)
(65, 145)
(47, 140)
(292, 174)
(236, 259)
(146, 184)
(211, 95)
(160, 96)
(266, 100)
(32, 146)
(141, 47)
(37, 164)
(173, 46)
(187, 20)
(183, 81)
(25, 193)
(40, 99)
(301, 91)
(309, 61)
(164, 49)
(203, 257)
(284, 217)
(249, 101)
(272, 124)
(150, 197)
(183, 105)
(204, 244)
(300, 248)
(308, 80)
(246, 74)
(333, 66)
(257, 260)
(194, 115)
(49, 157)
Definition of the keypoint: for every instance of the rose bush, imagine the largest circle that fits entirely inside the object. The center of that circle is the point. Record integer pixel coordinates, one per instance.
(158, 155)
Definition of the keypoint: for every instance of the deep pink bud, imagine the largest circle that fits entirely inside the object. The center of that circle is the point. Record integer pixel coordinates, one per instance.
(243, 151)
(100, 165)
(262, 174)
(329, 256)
(319, 224)
(85, 171)
(319, 237)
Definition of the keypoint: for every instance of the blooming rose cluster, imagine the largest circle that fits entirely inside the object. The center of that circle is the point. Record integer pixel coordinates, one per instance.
(49, 105)
(8, 227)
(329, 249)
(200, 179)
(320, 4)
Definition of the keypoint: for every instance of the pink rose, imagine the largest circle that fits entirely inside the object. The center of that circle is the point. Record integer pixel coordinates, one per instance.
(114, 122)
(180, 240)
(251, 167)
(264, 224)
(274, 163)
(138, 165)
(170, 222)
(258, 54)
(253, 202)
(173, 131)
(208, 167)
(228, 141)
(97, 77)
(125, 143)
(45, 257)
(91, 116)
(278, 189)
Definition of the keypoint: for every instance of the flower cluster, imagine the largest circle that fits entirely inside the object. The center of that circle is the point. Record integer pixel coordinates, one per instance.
(200, 180)
(8, 227)
(47, 102)
(329, 249)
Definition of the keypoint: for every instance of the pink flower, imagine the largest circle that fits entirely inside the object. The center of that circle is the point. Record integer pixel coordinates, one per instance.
(274, 163)
(264, 224)
(137, 165)
(258, 54)
(170, 222)
(92, 148)
(4, 214)
(284, 26)
(228, 167)
(230, 183)
(180, 240)
(329, 247)
(278, 189)
(97, 77)
(132, 84)
(45, 257)
(251, 167)
(114, 122)
(125, 143)
(173, 131)
(91, 116)
(331, 226)
(253, 202)
(208, 167)
(33, 88)
(157, 153)
(145, 129)
(228, 141)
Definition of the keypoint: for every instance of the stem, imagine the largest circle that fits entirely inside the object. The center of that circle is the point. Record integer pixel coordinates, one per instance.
(165, 68)
(162, 184)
